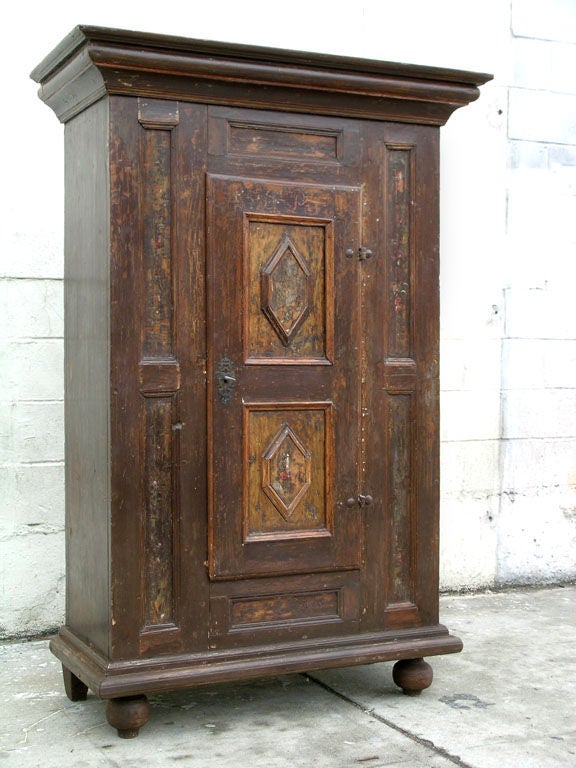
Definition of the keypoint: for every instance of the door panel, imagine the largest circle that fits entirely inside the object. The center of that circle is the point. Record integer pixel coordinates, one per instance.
(288, 464)
(283, 377)
(288, 290)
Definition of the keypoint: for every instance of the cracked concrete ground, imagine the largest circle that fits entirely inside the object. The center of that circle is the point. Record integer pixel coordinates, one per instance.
(508, 700)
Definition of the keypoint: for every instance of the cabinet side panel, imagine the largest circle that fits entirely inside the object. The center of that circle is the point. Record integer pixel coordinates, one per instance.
(128, 310)
(87, 374)
(426, 319)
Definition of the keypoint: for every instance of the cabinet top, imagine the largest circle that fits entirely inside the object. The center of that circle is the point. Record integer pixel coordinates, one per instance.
(93, 61)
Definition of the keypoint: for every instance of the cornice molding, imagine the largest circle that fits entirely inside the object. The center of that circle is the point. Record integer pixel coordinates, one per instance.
(94, 61)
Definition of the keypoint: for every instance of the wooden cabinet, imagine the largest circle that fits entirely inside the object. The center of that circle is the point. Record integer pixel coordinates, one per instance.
(251, 362)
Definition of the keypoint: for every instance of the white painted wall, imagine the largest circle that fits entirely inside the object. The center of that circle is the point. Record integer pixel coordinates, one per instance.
(508, 209)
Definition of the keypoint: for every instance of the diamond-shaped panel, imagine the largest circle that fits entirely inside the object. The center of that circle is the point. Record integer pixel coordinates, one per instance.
(286, 290)
(286, 467)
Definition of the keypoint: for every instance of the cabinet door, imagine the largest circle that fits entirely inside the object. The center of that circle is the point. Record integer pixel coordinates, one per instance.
(283, 327)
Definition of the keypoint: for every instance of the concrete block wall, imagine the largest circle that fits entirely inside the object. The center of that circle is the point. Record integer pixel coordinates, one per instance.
(508, 341)
(31, 452)
(537, 521)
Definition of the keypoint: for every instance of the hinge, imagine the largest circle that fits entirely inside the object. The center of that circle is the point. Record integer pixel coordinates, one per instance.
(362, 253)
(361, 500)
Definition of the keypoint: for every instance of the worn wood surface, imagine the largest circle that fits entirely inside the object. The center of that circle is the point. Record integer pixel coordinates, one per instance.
(331, 355)
(92, 61)
(252, 362)
(87, 375)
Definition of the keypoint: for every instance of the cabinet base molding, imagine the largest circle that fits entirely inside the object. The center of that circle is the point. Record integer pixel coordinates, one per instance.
(134, 677)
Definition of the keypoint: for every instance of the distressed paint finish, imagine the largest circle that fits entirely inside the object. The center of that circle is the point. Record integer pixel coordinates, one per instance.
(158, 119)
(158, 530)
(398, 250)
(221, 170)
(400, 503)
(157, 327)
(285, 609)
(257, 226)
(279, 141)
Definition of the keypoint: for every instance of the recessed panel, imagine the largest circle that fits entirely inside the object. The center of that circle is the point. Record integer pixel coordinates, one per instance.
(301, 607)
(287, 470)
(399, 248)
(288, 269)
(400, 418)
(282, 141)
(284, 609)
(159, 533)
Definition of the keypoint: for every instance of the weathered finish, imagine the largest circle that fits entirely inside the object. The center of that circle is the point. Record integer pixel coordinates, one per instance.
(252, 363)
(290, 372)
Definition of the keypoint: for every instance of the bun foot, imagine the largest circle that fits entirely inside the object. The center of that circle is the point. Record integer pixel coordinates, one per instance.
(75, 689)
(412, 675)
(128, 714)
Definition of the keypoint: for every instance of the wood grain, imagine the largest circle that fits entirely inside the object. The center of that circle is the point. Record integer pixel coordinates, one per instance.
(272, 216)
(288, 471)
(269, 243)
(95, 60)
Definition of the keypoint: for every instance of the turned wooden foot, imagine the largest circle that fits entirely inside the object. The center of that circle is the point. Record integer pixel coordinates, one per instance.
(128, 714)
(75, 689)
(412, 675)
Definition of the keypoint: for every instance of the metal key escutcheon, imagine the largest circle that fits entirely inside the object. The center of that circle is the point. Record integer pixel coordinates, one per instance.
(225, 379)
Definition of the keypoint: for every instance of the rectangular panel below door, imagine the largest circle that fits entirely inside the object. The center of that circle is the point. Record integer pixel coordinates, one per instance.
(287, 609)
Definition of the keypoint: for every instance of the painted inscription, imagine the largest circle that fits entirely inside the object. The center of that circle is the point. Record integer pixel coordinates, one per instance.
(286, 471)
(286, 293)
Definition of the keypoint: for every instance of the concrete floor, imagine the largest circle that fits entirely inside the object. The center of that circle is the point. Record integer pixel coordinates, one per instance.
(508, 700)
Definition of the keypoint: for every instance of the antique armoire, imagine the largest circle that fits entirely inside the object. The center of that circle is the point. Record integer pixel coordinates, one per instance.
(251, 310)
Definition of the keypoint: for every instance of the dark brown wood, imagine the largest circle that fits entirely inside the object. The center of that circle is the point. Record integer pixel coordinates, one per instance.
(288, 378)
(87, 348)
(128, 714)
(98, 60)
(166, 673)
(412, 675)
(75, 689)
(252, 363)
